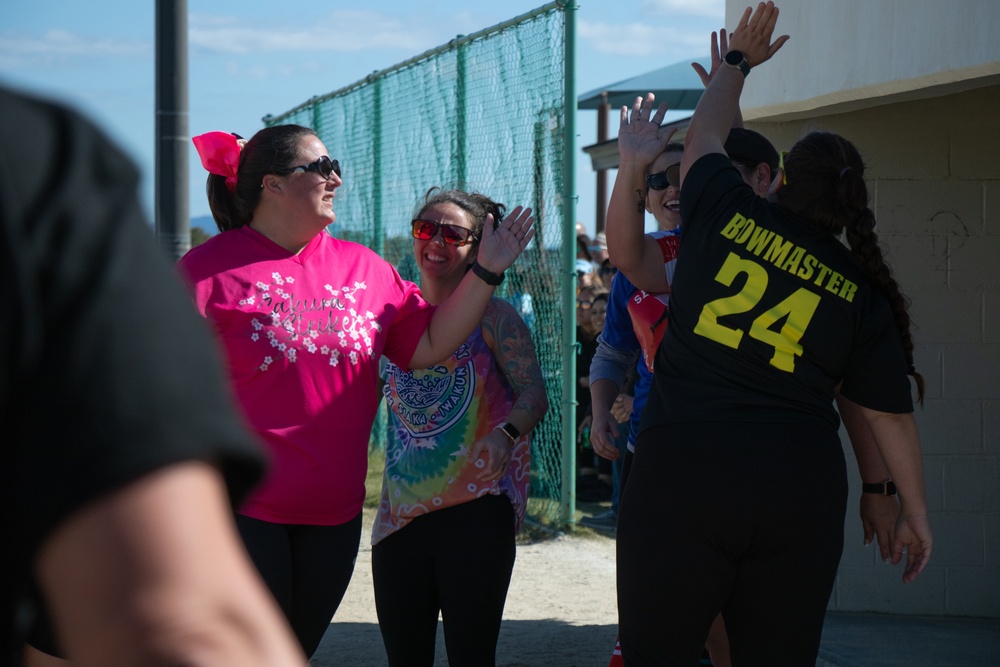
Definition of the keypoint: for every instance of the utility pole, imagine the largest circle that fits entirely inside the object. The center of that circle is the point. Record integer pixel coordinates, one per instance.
(602, 174)
(173, 226)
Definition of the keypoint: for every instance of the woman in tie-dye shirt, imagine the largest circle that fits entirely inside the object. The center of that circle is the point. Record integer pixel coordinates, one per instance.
(456, 473)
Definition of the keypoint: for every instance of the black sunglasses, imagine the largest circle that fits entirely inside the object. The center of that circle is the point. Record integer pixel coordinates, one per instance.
(324, 166)
(661, 179)
(454, 235)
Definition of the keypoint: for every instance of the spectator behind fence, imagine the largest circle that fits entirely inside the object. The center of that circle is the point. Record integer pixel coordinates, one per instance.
(122, 451)
(594, 483)
(599, 250)
(586, 338)
(304, 319)
(455, 487)
(744, 405)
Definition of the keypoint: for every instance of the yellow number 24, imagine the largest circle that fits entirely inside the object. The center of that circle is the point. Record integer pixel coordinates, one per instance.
(797, 310)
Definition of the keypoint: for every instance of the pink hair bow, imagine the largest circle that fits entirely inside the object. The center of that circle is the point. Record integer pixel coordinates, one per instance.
(220, 154)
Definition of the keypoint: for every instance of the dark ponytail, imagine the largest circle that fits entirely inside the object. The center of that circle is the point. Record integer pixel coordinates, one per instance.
(826, 186)
(270, 149)
(222, 203)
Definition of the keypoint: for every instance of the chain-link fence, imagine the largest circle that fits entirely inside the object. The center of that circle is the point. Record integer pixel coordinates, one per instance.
(485, 112)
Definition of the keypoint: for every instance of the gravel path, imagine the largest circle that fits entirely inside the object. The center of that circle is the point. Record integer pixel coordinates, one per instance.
(560, 611)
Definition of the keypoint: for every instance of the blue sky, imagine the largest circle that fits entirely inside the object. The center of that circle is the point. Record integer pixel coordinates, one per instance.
(248, 59)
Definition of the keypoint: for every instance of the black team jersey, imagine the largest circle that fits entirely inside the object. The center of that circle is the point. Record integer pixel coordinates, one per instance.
(768, 315)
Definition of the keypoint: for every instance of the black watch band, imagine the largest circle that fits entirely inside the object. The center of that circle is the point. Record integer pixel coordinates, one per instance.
(886, 488)
(487, 277)
(737, 60)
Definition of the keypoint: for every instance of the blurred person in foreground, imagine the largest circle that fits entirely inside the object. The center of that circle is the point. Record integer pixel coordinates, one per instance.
(122, 454)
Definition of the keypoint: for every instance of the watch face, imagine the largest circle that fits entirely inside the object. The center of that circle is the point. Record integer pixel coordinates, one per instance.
(738, 60)
(511, 430)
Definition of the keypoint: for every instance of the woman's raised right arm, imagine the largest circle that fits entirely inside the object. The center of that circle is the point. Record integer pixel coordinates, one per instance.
(456, 318)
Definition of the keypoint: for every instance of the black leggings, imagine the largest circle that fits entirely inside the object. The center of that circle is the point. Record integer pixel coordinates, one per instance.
(306, 567)
(746, 519)
(457, 561)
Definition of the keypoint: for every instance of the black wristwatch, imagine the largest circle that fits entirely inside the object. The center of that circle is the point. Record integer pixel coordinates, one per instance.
(487, 277)
(737, 60)
(886, 488)
(510, 431)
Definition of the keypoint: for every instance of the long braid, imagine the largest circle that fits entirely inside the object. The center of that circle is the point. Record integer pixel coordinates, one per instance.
(826, 185)
(864, 246)
(269, 149)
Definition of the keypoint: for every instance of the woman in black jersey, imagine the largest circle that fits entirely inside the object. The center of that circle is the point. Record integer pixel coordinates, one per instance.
(737, 494)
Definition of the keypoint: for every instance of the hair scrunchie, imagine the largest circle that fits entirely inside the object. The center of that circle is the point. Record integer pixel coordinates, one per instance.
(220, 154)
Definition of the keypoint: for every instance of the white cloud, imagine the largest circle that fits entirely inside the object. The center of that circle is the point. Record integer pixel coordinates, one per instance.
(340, 31)
(715, 9)
(56, 44)
(640, 39)
(337, 41)
(259, 72)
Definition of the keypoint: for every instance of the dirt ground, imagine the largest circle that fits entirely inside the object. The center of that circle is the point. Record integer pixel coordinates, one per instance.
(560, 612)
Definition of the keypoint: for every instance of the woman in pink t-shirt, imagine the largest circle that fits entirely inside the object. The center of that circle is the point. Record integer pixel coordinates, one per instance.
(303, 319)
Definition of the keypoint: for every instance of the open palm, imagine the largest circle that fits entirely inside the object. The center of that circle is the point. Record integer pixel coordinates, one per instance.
(499, 247)
(640, 137)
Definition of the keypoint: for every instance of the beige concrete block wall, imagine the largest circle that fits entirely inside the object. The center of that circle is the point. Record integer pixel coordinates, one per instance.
(934, 177)
(851, 54)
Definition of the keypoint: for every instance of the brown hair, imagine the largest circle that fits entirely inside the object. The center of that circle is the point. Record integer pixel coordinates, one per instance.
(600, 294)
(826, 186)
(477, 205)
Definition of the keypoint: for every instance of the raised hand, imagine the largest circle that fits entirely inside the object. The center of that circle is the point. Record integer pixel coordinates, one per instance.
(753, 34)
(499, 247)
(720, 46)
(640, 138)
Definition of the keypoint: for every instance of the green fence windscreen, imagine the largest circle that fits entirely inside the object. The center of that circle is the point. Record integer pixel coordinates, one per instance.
(485, 112)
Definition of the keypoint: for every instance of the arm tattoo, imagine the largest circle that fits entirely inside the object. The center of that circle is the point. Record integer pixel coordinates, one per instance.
(640, 201)
(515, 355)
